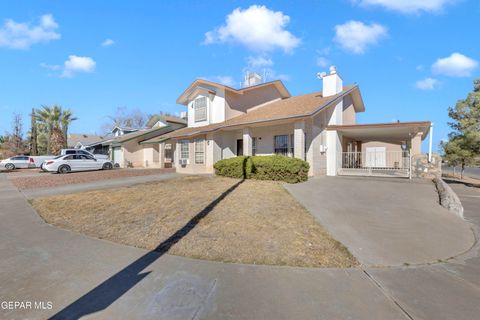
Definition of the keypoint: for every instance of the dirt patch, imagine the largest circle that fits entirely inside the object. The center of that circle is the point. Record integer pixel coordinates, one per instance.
(54, 180)
(256, 223)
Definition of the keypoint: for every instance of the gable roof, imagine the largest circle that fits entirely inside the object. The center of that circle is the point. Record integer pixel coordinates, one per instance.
(289, 108)
(183, 98)
(124, 128)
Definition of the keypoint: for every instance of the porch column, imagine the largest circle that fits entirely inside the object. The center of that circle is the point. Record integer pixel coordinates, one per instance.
(161, 155)
(299, 140)
(334, 147)
(247, 142)
(416, 145)
(430, 143)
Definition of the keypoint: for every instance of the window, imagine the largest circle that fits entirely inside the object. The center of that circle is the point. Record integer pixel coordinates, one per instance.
(254, 146)
(184, 149)
(199, 151)
(281, 145)
(200, 109)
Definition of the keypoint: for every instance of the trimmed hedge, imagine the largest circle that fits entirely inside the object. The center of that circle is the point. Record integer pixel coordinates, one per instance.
(276, 167)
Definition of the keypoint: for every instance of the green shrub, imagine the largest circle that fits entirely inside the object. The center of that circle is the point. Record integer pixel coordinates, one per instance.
(232, 167)
(279, 168)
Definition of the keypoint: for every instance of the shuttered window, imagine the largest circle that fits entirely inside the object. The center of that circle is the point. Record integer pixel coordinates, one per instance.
(200, 109)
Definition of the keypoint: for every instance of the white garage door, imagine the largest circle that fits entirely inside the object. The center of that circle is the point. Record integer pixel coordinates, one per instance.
(118, 155)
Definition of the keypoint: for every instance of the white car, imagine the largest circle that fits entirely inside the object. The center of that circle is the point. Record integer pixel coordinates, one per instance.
(84, 152)
(76, 162)
(17, 162)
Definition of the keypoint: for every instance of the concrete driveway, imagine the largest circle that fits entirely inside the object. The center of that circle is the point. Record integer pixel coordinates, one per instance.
(386, 222)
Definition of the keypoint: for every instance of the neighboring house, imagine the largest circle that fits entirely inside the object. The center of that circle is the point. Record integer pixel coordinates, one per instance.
(120, 131)
(140, 148)
(264, 119)
(80, 141)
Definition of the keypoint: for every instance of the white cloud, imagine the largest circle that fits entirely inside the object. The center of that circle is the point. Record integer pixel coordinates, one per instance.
(76, 64)
(419, 67)
(408, 6)
(427, 84)
(108, 43)
(456, 65)
(257, 62)
(258, 28)
(16, 35)
(356, 37)
(323, 62)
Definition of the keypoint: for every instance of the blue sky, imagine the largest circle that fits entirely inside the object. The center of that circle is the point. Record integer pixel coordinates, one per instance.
(411, 60)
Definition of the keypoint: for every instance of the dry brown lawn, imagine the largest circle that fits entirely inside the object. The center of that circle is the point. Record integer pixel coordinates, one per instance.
(258, 222)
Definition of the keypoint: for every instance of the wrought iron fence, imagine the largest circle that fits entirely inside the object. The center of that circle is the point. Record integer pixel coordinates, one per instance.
(375, 162)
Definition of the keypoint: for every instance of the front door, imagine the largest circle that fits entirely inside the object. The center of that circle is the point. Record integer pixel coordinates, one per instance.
(239, 147)
(376, 157)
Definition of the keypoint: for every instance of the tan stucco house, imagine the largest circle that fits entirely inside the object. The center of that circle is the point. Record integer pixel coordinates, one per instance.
(139, 147)
(264, 119)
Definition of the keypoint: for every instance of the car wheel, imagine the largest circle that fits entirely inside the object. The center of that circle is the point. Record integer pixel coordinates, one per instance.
(64, 169)
(107, 166)
(9, 166)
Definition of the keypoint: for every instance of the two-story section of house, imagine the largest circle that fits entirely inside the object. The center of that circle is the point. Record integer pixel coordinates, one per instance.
(265, 119)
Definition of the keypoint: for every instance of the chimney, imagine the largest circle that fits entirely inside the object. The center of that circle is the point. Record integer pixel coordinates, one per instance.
(252, 79)
(332, 83)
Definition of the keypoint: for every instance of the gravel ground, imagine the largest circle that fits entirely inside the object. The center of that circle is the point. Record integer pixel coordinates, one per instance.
(54, 180)
(212, 218)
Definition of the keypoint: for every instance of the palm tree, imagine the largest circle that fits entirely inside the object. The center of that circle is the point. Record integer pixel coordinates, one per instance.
(66, 118)
(45, 117)
(56, 120)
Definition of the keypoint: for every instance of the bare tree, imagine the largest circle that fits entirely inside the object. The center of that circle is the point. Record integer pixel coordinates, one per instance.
(126, 118)
(13, 142)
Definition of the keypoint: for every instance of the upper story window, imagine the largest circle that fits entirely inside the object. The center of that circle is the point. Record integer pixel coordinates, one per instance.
(200, 109)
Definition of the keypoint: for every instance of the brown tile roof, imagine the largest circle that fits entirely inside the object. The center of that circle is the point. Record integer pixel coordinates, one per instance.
(293, 107)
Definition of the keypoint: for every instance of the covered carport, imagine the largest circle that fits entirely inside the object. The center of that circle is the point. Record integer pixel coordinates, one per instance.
(383, 149)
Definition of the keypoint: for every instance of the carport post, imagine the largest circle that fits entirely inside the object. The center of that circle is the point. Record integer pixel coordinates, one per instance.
(430, 143)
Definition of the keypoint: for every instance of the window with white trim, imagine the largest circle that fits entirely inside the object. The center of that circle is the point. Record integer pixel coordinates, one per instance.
(254, 146)
(200, 109)
(199, 151)
(184, 149)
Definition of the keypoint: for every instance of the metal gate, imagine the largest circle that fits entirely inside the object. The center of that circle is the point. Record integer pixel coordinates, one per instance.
(375, 162)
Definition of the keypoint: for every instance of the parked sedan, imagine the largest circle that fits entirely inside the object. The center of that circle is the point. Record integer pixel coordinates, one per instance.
(17, 162)
(76, 162)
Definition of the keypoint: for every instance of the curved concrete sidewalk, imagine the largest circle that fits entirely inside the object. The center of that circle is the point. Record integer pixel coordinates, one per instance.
(386, 222)
(95, 279)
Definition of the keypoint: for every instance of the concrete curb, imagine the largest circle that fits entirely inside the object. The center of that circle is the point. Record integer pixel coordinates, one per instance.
(448, 198)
